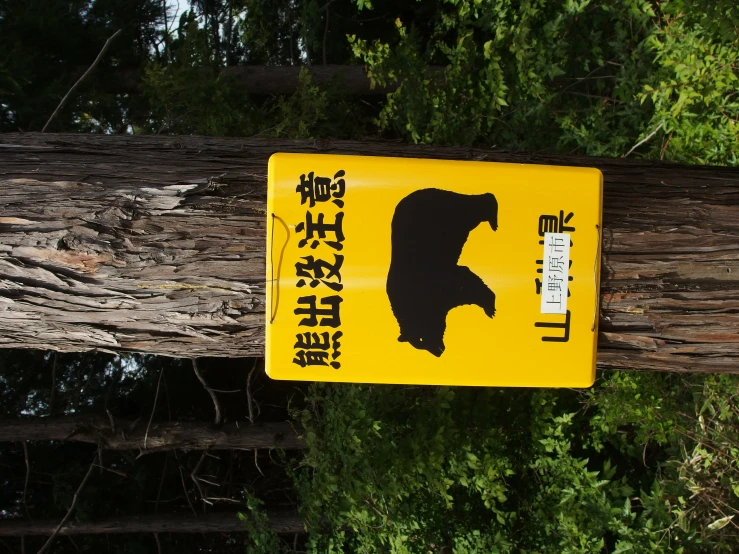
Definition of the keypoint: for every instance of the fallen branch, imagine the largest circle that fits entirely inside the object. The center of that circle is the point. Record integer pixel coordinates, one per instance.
(215, 522)
(79, 81)
(162, 436)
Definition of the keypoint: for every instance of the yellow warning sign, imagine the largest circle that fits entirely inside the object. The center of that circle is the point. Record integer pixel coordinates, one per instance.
(392, 270)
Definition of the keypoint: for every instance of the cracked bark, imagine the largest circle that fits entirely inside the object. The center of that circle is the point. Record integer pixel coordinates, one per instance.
(156, 244)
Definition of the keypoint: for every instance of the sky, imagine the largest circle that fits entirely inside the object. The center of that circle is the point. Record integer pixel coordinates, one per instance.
(176, 7)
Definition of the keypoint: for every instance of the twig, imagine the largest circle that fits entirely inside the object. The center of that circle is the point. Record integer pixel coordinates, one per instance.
(204, 480)
(256, 463)
(28, 475)
(645, 139)
(578, 80)
(166, 394)
(599, 96)
(187, 496)
(196, 480)
(79, 81)
(665, 145)
(226, 479)
(161, 481)
(223, 499)
(212, 394)
(153, 409)
(53, 383)
(112, 421)
(166, 46)
(74, 544)
(71, 508)
(248, 391)
(159, 546)
(6, 545)
(115, 471)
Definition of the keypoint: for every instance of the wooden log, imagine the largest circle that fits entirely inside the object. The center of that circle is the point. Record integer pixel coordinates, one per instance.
(156, 244)
(160, 436)
(214, 522)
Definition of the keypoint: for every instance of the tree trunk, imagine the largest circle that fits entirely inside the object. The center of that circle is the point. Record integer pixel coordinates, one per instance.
(158, 437)
(156, 244)
(215, 522)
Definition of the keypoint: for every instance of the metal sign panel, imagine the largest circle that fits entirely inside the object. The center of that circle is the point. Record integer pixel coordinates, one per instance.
(392, 270)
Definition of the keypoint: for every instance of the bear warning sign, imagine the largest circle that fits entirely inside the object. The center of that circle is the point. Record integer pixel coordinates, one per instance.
(392, 270)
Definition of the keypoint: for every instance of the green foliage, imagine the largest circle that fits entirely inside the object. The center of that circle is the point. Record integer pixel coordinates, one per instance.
(644, 462)
(594, 77)
(694, 89)
(186, 97)
(272, 30)
(260, 538)
(417, 470)
(317, 111)
(695, 421)
(381, 474)
(510, 68)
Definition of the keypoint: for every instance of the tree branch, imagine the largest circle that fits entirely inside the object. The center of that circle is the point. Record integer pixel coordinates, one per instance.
(187, 495)
(212, 394)
(249, 400)
(153, 409)
(196, 479)
(645, 139)
(71, 508)
(79, 81)
(28, 475)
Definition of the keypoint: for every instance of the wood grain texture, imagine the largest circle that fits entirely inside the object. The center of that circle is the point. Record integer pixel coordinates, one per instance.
(158, 437)
(156, 244)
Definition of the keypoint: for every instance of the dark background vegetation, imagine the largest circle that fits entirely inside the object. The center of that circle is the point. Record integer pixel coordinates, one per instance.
(643, 462)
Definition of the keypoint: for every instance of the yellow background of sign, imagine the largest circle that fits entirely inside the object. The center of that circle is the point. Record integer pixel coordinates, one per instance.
(506, 350)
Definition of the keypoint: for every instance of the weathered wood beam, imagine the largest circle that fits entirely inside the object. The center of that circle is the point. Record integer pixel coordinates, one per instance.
(215, 522)
(156, 244)
(158, 437)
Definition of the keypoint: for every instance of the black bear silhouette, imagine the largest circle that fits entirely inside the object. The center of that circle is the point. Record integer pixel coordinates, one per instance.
(429, 230)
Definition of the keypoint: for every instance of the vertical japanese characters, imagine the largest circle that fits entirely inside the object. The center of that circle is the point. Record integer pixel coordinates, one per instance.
(322, 237)
(555, 265)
